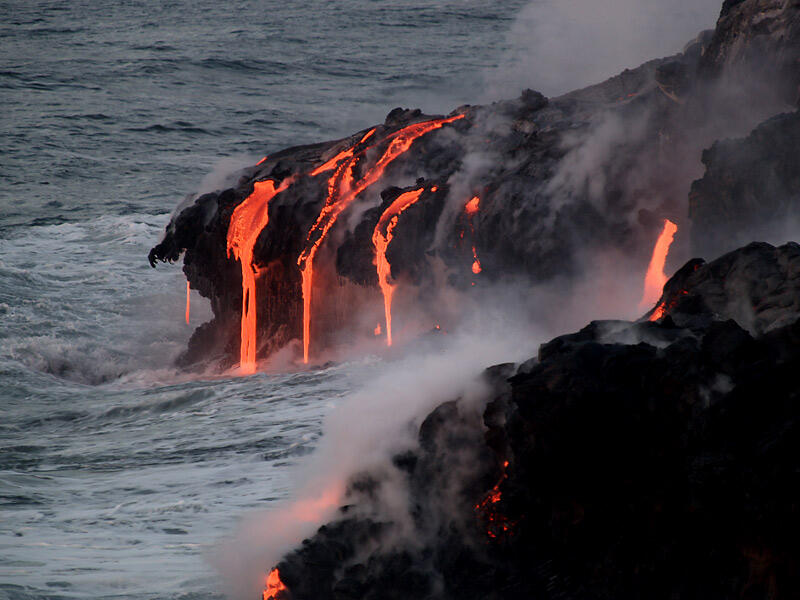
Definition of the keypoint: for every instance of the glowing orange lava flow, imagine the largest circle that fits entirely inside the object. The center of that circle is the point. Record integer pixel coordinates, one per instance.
(274, 586)
(188, 298)
(247, 222)
(383, 234)
(655, 279)
(262, 161)
(342, 191)
(472, 209)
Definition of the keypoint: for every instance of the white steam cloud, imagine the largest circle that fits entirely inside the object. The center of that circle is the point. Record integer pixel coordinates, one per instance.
(364, 432)
(556, 46)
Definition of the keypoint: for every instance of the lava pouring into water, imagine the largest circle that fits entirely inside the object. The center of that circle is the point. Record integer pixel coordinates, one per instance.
(656, 278)
(274, 587)
(381, 236)
(247, 222)
(343, 189)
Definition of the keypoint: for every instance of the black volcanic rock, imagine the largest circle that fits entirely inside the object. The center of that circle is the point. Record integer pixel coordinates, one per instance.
(751, 188)
(642, 460)
(758, 286)
(560, 181)
(758, 36)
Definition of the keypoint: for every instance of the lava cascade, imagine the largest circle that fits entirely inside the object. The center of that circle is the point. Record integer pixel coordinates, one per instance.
(274, 586)
(188, 301)
(471, 209)
(343, 189)
(247, 222)
(381, 237)
(655, 278)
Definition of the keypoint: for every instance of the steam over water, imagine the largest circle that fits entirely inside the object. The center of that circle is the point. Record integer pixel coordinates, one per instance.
(118, 473)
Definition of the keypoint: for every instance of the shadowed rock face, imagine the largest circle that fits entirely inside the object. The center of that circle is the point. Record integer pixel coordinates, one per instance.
(643, 460)
(764, 34)
(561, 181)
(751, 188)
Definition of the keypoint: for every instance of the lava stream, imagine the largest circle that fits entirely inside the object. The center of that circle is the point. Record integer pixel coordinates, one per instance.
(247, 222)
(342, 191)
(381, 237)
(274, 586)
(655, 279)
(188, 301)
(472, 209)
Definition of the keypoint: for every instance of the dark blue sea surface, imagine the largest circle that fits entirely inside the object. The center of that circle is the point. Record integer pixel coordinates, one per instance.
(118, 473)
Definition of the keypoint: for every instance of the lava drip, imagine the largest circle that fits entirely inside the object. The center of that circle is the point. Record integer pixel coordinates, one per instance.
(656, 278)
(342, 191)
(381, 236)
(247, 222)
(188, 301)
(275, 589)
(472, 209)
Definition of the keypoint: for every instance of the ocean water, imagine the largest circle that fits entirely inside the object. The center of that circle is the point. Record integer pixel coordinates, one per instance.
(119, 473)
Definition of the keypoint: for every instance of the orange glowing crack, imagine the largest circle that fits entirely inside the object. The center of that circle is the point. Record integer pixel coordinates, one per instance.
(334, 162)
(656, 278)
(247, 222)
(262, 161)
(274, 586)
(342, 191)
(381, 236)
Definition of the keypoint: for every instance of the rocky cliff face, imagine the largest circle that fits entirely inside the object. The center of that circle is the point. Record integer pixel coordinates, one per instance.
(627, 460)
(750, 190)
(559, 180)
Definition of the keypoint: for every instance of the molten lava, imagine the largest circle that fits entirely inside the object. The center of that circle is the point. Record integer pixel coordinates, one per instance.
(274, 586)
(381, 236)
(343, 189)
(377, 331)
(655, 279)
(188, 301)
(496, 523)
(471, 209)
(247, 222)
(472, 206)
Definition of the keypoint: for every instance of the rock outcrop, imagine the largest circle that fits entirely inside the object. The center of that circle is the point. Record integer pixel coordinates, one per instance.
(751, 189)
(561, 181)
(627, 460)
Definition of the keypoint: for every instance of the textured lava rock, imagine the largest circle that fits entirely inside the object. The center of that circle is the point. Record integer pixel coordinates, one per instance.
(643, 460)
(751, 188)
(559, 179)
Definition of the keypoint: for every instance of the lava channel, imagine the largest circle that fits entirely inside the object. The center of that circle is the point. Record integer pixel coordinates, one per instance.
(247, 222)
(381, 237)
(343, 189)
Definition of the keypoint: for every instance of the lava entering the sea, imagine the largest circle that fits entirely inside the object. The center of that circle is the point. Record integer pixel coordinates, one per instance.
(275, 588)
(343, 189)
(655, 279)
(247, 222)
(381, 237)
